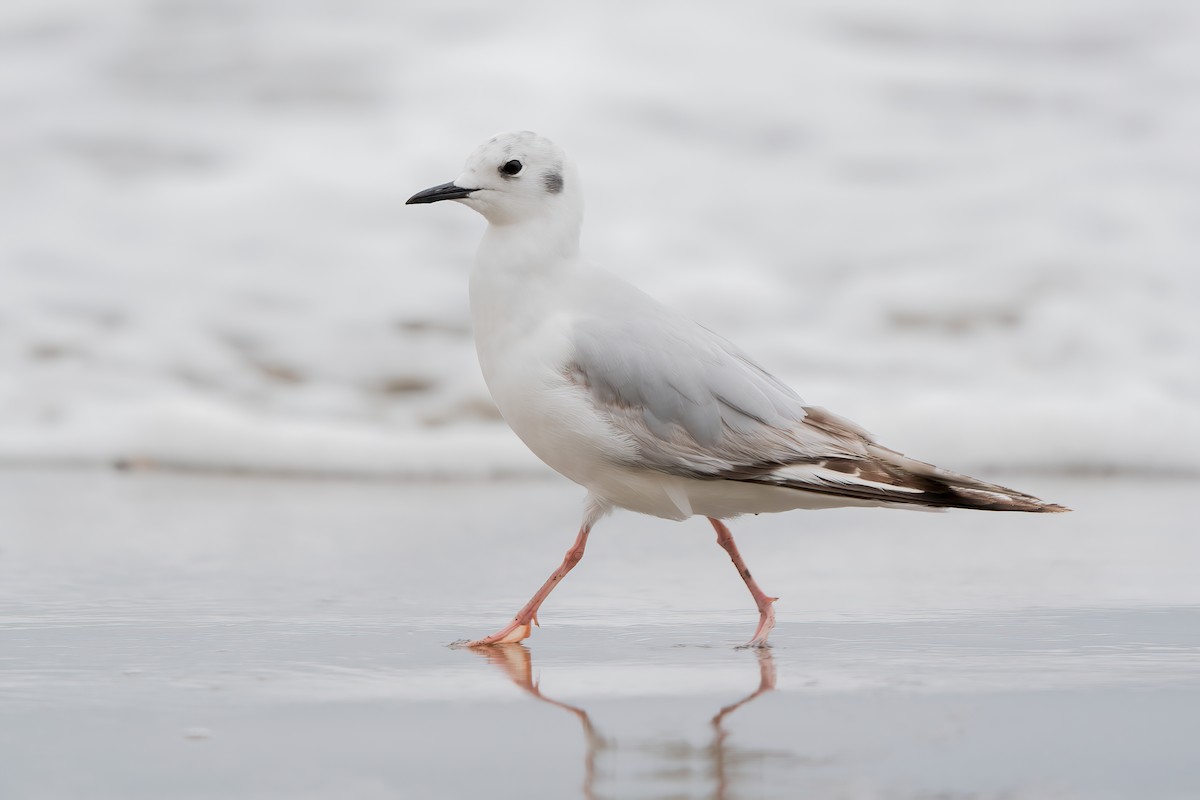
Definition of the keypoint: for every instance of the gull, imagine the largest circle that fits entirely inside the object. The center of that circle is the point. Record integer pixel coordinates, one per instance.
(646, 409)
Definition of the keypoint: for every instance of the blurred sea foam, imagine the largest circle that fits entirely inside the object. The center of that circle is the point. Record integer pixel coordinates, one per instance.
(973, 229)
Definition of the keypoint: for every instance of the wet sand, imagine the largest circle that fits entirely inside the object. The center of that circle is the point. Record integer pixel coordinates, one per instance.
(214, 637)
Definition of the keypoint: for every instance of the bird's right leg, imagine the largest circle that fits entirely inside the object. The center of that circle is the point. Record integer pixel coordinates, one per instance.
(522, 624)
(766, 611)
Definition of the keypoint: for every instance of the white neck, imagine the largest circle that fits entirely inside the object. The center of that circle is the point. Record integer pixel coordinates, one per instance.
(530, 246)
(518, 270)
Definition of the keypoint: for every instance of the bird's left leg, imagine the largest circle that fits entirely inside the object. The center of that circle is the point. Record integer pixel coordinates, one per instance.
(522, 624)
(766, 611)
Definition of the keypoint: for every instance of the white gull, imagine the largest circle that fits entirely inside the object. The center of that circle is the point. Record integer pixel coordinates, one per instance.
(644, 408)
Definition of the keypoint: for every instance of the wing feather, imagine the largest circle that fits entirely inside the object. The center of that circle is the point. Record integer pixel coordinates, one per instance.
(697, 407)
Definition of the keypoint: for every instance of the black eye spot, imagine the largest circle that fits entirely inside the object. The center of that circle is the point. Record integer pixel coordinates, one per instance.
(512, 168)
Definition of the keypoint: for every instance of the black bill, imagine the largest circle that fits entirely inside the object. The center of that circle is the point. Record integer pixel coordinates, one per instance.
(447, 191)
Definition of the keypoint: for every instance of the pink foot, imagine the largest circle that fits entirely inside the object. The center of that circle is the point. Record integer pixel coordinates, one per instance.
(513, 633)
(766, 623)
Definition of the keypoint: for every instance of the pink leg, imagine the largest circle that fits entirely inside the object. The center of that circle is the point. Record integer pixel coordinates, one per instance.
(766, 612)
(521, 626)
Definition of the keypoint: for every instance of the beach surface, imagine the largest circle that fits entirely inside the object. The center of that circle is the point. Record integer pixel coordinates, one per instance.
(198, 636)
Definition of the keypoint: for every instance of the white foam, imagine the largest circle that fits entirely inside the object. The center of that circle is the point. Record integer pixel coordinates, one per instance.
(970, 233)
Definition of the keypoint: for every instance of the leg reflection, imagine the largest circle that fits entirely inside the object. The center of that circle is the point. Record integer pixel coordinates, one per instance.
(517, 663)
(722, 755)
(720, 759)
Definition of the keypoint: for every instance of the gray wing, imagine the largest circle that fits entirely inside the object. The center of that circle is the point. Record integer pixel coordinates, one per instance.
(695, 405)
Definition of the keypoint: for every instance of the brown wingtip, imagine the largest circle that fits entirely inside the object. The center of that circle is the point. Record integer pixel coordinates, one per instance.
(993, 497)
(1003, 499)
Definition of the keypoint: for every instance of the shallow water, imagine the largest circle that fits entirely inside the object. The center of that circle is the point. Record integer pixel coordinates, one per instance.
(191, 636)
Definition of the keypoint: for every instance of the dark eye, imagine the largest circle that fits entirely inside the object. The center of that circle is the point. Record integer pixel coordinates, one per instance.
(513, 167)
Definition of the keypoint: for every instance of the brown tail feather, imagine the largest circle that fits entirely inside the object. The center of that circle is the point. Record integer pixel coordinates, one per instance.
(953, 490)
(915, 483)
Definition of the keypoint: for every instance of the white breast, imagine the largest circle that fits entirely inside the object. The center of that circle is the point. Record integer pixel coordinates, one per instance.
(522, 337)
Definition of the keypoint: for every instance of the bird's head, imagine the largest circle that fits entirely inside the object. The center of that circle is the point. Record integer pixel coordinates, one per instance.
(513, 177)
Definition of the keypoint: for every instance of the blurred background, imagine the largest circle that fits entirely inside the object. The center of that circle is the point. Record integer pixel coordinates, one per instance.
(972, 228)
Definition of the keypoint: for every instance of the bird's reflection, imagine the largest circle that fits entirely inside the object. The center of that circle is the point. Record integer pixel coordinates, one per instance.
(720, 756)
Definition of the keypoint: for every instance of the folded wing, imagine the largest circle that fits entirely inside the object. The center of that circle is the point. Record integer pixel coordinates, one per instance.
(695, 406)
